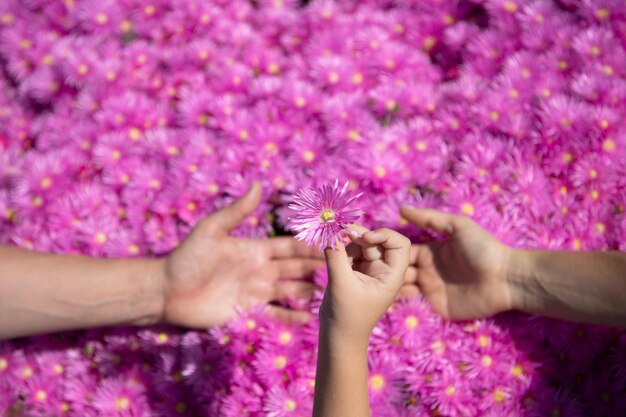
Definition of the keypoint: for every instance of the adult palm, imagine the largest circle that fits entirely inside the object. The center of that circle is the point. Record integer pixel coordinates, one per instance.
(463, 276)
(211, 274)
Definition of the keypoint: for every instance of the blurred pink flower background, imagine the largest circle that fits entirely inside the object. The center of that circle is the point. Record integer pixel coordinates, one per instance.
(124, 122)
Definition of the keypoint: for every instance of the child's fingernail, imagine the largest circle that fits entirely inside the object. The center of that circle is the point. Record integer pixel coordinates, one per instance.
(351, 232)
(406, 207)
(370, 234)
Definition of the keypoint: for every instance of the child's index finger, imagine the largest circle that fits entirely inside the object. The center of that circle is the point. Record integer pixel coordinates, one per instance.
(396, 246)
(370, 251)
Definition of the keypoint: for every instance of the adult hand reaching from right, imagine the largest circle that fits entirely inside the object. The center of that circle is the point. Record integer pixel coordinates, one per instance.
(463, 276)
(470, 274)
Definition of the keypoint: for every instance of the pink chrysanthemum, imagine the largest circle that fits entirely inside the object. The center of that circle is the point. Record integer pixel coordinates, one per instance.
(321, 213)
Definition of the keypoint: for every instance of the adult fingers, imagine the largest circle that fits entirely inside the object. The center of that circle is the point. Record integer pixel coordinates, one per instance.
(410, 276)
(431, 219)
(409, 291)
(288, 247)
(413, 254)
(289, 316)
(395, 245)
(228, 218)
(296, 268)
(286, 290)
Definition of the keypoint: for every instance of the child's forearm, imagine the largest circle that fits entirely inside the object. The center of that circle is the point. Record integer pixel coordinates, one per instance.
(42, 293)
(341, 378)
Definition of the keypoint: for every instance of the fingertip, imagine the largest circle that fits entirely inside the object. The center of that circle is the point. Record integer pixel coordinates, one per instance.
(371, 236)
(255, 190)
(331, 252)
(305, 317)
(357, 228)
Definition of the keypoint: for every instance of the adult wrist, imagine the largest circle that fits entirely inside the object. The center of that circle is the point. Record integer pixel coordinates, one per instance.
(151, 272)
(518, 277)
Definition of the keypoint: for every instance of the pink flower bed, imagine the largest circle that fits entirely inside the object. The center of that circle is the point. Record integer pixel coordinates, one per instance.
(124, 122)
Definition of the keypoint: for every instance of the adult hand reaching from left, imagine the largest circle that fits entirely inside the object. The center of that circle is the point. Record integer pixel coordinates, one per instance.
(198, 285)
(211, 273)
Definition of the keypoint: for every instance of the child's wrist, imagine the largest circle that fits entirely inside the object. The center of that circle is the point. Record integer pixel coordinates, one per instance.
(341, 339)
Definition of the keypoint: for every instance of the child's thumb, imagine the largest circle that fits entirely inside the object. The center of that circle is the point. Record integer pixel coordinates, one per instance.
(337, 262)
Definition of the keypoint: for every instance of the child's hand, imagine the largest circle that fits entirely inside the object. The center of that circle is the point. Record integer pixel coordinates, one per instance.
(363, 281)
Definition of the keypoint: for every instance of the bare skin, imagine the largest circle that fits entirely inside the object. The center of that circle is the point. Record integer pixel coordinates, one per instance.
(201, 284)
(363, 281)
(211, 273)
(471, 275)
(462, 276)
(467, 275)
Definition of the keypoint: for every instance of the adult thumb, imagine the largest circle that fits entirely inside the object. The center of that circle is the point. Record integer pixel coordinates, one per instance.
(231, 216)
(436, 220)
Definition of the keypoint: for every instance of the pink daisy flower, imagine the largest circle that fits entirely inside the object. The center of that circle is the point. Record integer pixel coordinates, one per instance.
(121, 397)
(321, 213)
(293, 401)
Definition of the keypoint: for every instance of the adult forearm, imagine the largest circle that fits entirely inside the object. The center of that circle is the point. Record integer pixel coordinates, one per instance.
(42, 293)
(341, 378)
(578, 286)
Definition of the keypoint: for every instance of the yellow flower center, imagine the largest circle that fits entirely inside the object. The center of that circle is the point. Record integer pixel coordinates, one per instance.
(354, 134)
(510, 7)
(429, 43)
(280, 362)
(102, 18)
(213, 189)
(327, 215)
(284, 338)
(290, 405)
(300, 102)
(602, 13)
(101, 237)
(486, 361)
(467, 209)
(411, 322)
(46, 182)
(122, 403)
(499, 395)
(567, 157)
(308, 156)
(438, 347)
(41, 395)
(273, 68)
(380, 171)
(377, 382)
(27, 372)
